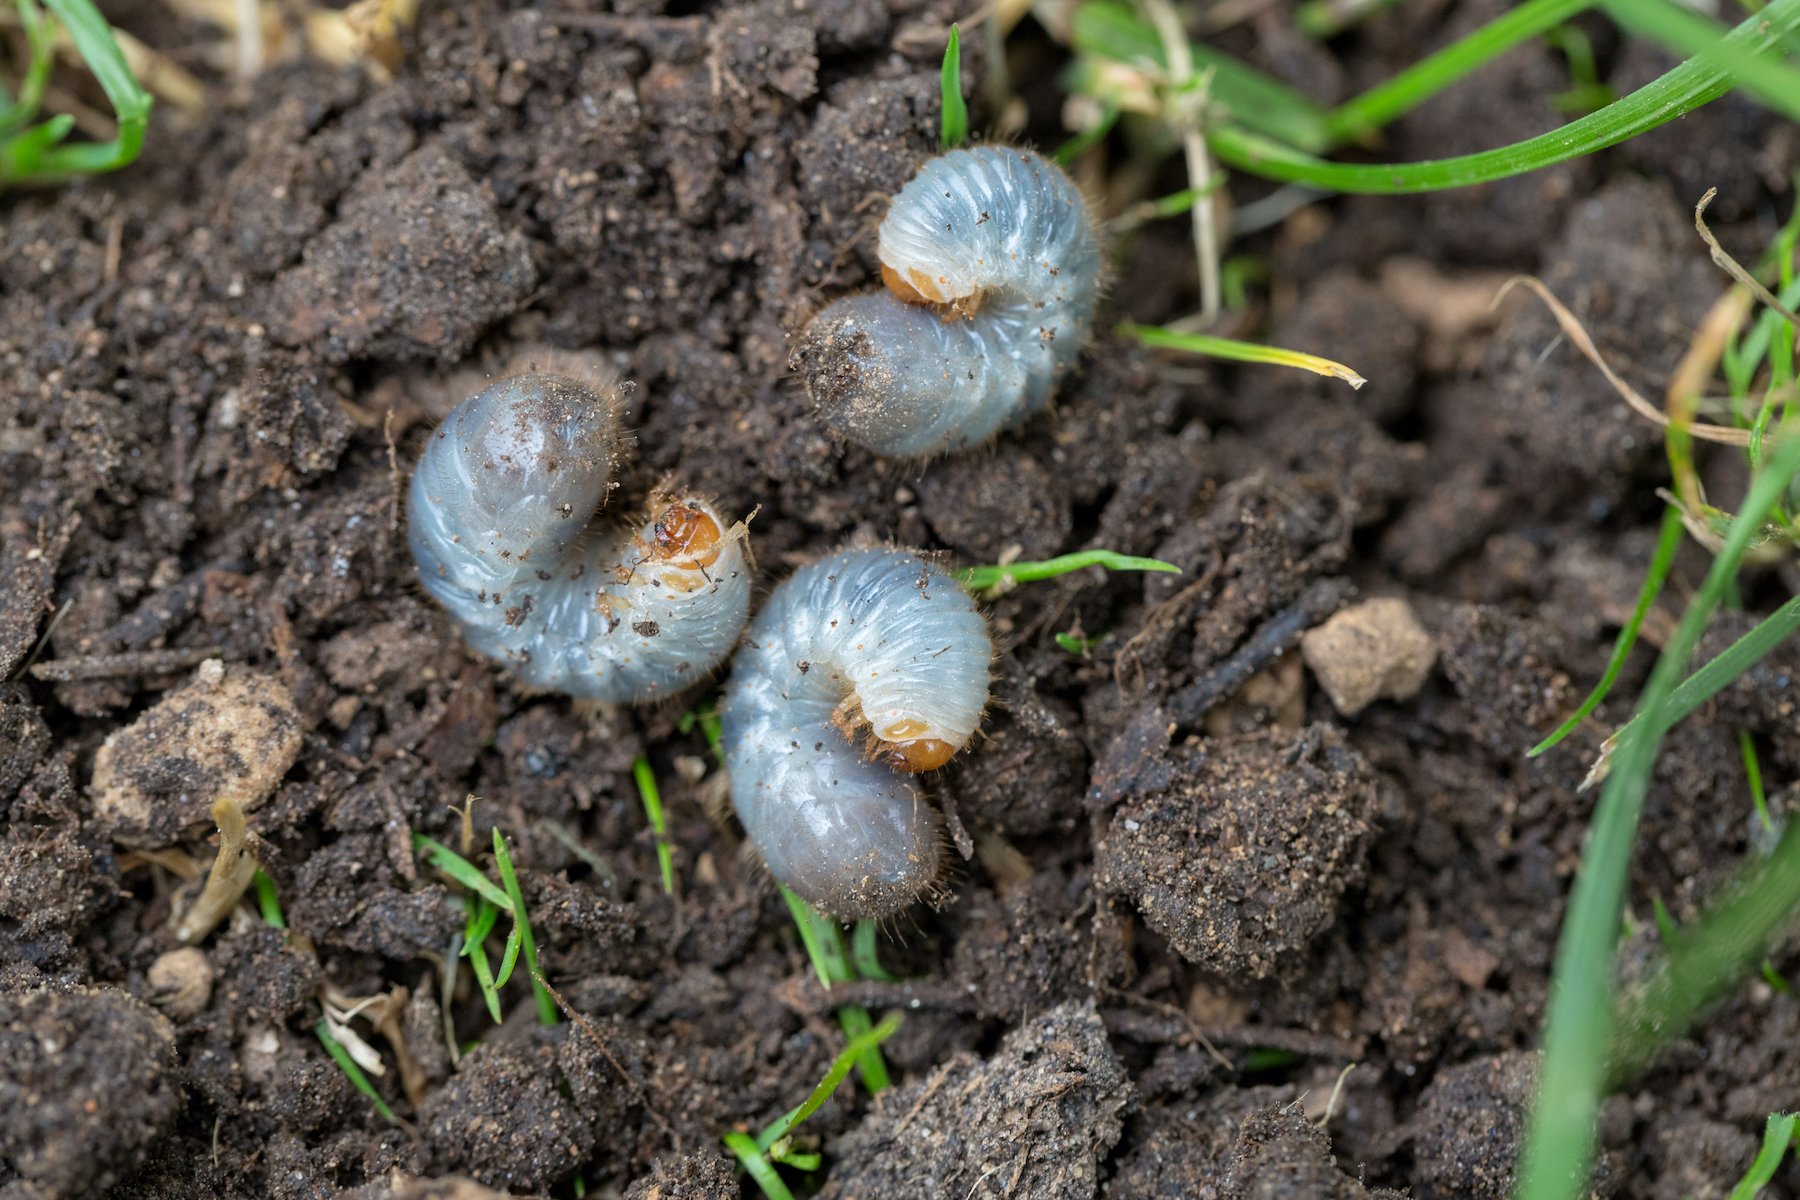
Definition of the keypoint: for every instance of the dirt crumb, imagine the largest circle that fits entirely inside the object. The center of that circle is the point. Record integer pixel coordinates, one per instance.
(1242, 858)
(417, 264)
(504, 1121)
(181, 981)
(1280, 1155)
(89, 1084)
(1469, 1127)
(405, 1187)
(1376, 650)
(1033, 1120)
(231, 732)
(702, 1176)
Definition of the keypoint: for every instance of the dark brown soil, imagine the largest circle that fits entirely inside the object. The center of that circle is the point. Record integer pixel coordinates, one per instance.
(1191, 891)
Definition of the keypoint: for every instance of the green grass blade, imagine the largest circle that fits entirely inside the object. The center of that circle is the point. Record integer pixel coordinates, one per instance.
(350, 1068)
(840, 1067)
(37, 69)
(93, 39)
(1108, 29)
(824, 946)
(481, 923)
(462, 870)
(1733, 661)
(651, 795)
(1381, 105)
(22, 154)
(1236, 351)
(1710, 959)
(509, 958)
(1754, 777)
(1667, 543)
(864, 953)
(1679, 91)
(1578, 1026)
(267, 901)
(1687, 32)
(981, 579)
(484, 978)
(546, 1004)
(855, 1021)
(759, 1168)
(1778, 1135)
(954, 130)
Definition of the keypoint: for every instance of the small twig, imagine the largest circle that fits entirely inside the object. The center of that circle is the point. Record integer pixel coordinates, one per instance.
(1574, 331)
(1276, 636)
(586, 1023)
(131, 664)
(1189, 119)
(229, 878)
(1733, 268)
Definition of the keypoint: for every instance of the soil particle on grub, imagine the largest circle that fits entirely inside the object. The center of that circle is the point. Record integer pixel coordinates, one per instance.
(231, 733)
(416, 265)
(1242, 858)
(89, 1083)
(1376, 650)
(1034, 1119)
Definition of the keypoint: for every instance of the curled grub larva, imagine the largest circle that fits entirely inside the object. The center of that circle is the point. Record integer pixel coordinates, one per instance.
(865, 668)
(992, 269)
(498, 521)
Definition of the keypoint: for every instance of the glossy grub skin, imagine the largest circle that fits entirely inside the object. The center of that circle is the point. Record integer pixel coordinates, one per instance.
(862, 670)
(499, 519)
(992, 271)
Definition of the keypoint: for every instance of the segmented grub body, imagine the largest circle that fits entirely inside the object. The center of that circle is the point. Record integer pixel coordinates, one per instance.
(992, 267)
(863, 669)
(499, 518)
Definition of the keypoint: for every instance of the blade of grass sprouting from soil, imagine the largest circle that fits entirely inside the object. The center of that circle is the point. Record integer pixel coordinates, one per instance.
(840, 1067)
(1667, 543)
(484, 978)
(954, 130)
(1382, 104)
(348, 1065)
(546, 1004)
(1236, 351)
(759, 1168)
(981, 579)
(462, 870)
(1754, 777)
(1712, 957)
(1684, 88)
(37, 68)
(1684, 31)
(267, 901)
(864, 954)
(1108, 29)
(825, 949)
(821, 947)
(1778, 1135)
(94, 41)
(1732, 662)
(1579, 1023)
(482, 916)
(659, 821)
(855, 1021)
(509, 957)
